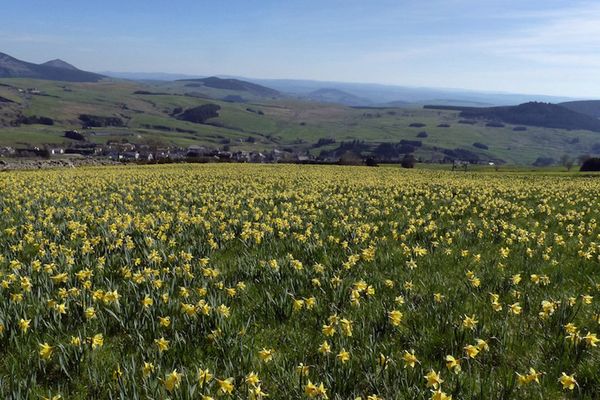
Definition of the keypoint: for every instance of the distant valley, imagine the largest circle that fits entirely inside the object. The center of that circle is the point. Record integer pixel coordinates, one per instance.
(296, 119)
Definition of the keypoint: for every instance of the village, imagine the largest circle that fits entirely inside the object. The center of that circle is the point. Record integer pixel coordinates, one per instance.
(83, 152)
(126, 152)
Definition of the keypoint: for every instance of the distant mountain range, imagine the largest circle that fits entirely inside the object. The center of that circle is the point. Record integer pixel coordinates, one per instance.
(55, 70)
(349, 94)
(336, 96)
(365, 94)
(150, 76)
(381, 95)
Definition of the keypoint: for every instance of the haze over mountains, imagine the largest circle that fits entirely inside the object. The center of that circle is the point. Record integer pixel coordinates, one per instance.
(474, 104)
(350, 94)
(365, 94)
(378, 94)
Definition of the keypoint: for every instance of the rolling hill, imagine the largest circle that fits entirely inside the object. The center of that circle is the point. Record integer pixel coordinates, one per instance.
(544, 115)
(587, 107)
(175, 114)
(55, 70)
(375, 94)
(328, 95)
(232, 85)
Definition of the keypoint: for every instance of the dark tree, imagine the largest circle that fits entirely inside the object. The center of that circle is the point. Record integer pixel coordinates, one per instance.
(591, 164)
(408, 161)
(386, 150)
(200, 114)
(371, 162)
(74, 135)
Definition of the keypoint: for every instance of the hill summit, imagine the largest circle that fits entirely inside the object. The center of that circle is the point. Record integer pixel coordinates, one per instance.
(54, 70)
(58, 63)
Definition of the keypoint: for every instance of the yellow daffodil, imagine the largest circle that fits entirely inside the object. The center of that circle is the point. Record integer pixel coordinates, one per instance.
(433, 379)
(568, 381)
(409, 359)
(172, 380)
(45, 351)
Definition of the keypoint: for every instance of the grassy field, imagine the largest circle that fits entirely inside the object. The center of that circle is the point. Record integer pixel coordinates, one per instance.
(285, 122)
(298, 282)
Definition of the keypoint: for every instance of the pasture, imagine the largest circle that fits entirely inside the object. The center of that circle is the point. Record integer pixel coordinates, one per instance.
(284, 122)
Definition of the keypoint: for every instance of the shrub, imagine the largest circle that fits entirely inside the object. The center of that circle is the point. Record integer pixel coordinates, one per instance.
(422, 134)
(98, 121)
(408, 161)
(417, 125)
(74, 135)
(480, 146)
(371, 162)
(32, 120)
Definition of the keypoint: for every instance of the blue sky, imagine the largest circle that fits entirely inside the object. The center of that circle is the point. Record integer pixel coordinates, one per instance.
(524, 46)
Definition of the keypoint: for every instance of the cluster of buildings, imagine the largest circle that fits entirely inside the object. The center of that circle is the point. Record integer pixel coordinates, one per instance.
(32, 91)
(131, 152)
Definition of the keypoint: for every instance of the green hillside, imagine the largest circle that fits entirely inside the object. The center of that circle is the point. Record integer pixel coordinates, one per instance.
(56, 70)
(148, 113)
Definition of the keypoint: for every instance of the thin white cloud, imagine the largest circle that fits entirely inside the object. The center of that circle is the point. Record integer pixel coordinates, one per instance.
(570, 38)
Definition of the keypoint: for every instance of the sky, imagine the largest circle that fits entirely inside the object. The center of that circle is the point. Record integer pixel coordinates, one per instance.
(521, 46)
